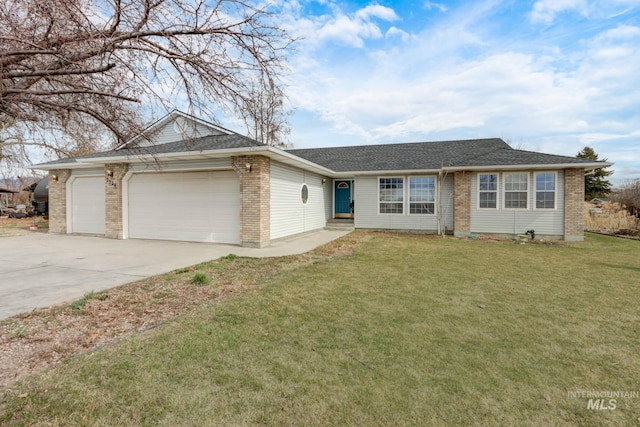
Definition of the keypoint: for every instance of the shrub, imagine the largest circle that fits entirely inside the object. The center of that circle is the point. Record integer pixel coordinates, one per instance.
(78, 304)
(201, 278)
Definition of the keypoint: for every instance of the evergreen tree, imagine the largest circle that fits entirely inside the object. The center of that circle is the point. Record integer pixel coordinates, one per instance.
(595, 182)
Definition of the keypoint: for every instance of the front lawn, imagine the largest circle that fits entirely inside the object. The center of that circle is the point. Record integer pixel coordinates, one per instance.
(20, 226)
(407, 330)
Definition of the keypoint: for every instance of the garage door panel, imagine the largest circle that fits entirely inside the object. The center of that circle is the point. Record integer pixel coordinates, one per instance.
(88, 205)
(189, 206)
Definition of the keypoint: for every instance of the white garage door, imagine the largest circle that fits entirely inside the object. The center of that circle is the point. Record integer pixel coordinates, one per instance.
(188, 206)
(87, 205)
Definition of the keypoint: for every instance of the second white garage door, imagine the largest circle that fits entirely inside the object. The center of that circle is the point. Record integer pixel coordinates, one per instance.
(188, 206)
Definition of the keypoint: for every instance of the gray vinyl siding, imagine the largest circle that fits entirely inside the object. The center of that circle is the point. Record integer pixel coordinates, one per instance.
(517, 221)
(367, 209)
(224, 163)
(289, 215)
(167, 134)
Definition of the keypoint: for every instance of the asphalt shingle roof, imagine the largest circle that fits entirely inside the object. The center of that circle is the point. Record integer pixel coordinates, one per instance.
(432, 155)
(506, 157)
(427, 156)
(205, 143)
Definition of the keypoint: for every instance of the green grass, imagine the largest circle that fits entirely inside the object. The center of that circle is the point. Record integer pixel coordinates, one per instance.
(201, 278)
(407, 330)
(80, 303)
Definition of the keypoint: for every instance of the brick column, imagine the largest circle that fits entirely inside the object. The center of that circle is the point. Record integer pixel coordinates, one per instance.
(255, 200)
(462, 204)
(58, 200)
(573, 200)
(113, 199)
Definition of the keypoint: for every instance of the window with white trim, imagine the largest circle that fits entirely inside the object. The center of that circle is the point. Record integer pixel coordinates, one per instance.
(391, 195)
(488, 190)
(545, 190)
(422, 195)
(516, 190)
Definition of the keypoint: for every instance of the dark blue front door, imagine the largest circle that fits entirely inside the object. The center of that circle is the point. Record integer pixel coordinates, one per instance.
(343, 199)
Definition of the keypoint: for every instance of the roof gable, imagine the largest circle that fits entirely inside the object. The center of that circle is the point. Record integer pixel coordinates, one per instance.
(175, 126)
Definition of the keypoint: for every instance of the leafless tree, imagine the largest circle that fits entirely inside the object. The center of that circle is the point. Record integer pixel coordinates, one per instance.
(265, 114)
(628, 195)
(69, 66)
(520, 145)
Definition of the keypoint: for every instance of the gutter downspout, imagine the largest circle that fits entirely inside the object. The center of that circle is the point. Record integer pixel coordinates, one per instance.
(439, 211)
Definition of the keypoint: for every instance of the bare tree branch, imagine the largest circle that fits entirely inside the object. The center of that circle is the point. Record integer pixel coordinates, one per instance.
(54, 72)
(67, 63)
(67, 92)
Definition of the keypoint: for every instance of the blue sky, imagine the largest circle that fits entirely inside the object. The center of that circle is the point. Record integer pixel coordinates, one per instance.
(548, 75)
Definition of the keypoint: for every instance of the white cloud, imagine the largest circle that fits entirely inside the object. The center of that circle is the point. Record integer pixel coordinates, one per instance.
(452, 81)
(349, 29)
(376, 11)
(515, 95)
(429, 5)
(545, 11)
(394, 32)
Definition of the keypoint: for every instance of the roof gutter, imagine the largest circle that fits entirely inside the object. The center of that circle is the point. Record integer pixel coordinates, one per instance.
(268, 151)
(55, 166)
(388, 172)
(140, 158)
(290, 158)
(585, 166)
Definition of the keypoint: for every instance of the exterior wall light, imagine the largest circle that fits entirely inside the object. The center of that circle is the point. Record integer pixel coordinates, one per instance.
(109, 173)
(54, 177)
(247, 166)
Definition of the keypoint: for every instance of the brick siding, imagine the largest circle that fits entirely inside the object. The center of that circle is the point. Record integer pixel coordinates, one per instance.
(462, 204)
(58, 200)
(113, 199)
(573, 199)
(255, 200)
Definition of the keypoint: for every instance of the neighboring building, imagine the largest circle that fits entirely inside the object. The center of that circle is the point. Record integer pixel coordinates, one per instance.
(186, 179)
(6, 200)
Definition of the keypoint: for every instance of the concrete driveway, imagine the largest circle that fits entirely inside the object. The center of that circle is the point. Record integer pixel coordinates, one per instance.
(39, 270)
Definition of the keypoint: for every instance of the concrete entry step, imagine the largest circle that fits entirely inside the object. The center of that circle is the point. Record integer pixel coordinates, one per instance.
(340, 224)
